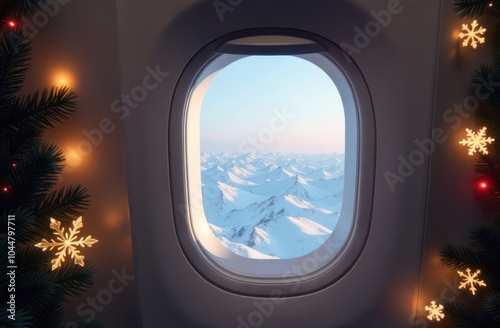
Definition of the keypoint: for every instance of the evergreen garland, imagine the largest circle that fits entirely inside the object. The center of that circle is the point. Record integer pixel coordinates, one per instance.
(29, 170)
(483, 251)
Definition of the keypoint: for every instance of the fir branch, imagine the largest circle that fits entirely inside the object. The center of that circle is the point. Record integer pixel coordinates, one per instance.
(488, 167)
(15, 52)
(486, 78)
(35, 290)
(32, 260)
(24, 224)
(458, 257)
(50, 316)
(39, 110)
(491, 305)
(63, 204)
(23, 319)
(463, 317)
(35, 175)
(19, 141)
(73, 280)
(19, 8)
(487, 240)
(476, 8)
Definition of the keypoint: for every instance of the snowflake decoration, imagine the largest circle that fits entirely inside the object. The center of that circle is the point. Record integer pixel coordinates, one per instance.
(472, 34)
(66, 243)
(477, 141)
(470, 280)
(435, 311)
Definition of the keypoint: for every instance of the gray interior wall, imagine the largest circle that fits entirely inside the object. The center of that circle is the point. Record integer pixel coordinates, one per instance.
(109, 46)
(79, 38)
(399, 66)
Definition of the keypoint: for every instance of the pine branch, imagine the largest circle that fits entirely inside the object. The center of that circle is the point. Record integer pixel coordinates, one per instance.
(19, 141)
(23, 319)
(50, 316)
(487, 78)
(63, 204)
(463, 317)
(24, 224)
(73, 280)
(35, 290)
(35, 174)
(488, 167)
(487, 240)
(5, 164)
(31, 259)
(458, 257)
(38, 110)
(491, 305)
(476, 8)
(20, 8)
(15, 53)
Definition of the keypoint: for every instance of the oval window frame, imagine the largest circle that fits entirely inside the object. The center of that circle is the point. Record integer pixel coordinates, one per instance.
(258, 279)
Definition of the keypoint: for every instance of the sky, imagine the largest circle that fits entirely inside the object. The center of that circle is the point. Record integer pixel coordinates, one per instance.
(272, 104)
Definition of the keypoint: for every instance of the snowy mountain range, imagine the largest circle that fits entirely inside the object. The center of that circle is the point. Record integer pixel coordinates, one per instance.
(272, 205)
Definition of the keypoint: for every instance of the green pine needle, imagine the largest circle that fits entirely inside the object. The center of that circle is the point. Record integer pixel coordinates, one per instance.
(40, 110)
(15, 52)
(486, 240)
(458, 257)
(73, 280)
(476, 8)
(25, 224)
(462, 316)
(23, 319)
(491, 305)
(64, 204)
(35, 175)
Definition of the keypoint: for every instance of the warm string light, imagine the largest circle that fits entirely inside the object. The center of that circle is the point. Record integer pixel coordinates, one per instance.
(5, 189)
(472, 34)
(477, 141)
(12, 23)
(483, 185)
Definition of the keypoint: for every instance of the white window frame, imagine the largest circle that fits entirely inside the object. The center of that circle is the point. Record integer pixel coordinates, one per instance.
(204, 251)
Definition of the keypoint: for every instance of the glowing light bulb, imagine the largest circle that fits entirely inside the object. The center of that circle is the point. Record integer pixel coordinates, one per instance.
(14, 165)
(5, 189)
(483, 185)
(12, 23)
(490, 4)
(62, 78)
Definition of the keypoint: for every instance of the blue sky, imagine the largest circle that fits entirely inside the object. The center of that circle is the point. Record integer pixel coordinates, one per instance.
(272, 104)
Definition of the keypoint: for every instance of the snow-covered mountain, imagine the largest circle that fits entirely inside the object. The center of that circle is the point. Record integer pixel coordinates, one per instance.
(272, 205)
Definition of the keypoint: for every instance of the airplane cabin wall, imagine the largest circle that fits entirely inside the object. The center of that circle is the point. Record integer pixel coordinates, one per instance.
(399, 64)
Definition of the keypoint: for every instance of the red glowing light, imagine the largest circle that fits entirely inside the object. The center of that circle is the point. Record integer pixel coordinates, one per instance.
(483, 185)
(12, 23)
(14, 165)
(5, 189)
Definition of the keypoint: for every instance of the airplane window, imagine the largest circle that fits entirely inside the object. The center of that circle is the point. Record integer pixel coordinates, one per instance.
(271, 143)
(272, 156)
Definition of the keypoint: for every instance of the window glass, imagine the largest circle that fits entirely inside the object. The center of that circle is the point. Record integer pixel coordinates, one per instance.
(271, 156)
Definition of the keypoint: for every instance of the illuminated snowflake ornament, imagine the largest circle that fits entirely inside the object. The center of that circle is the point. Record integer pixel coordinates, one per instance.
(477, 141)
(470, 280)
(66, 243)
(435, 311)
(472, 34)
